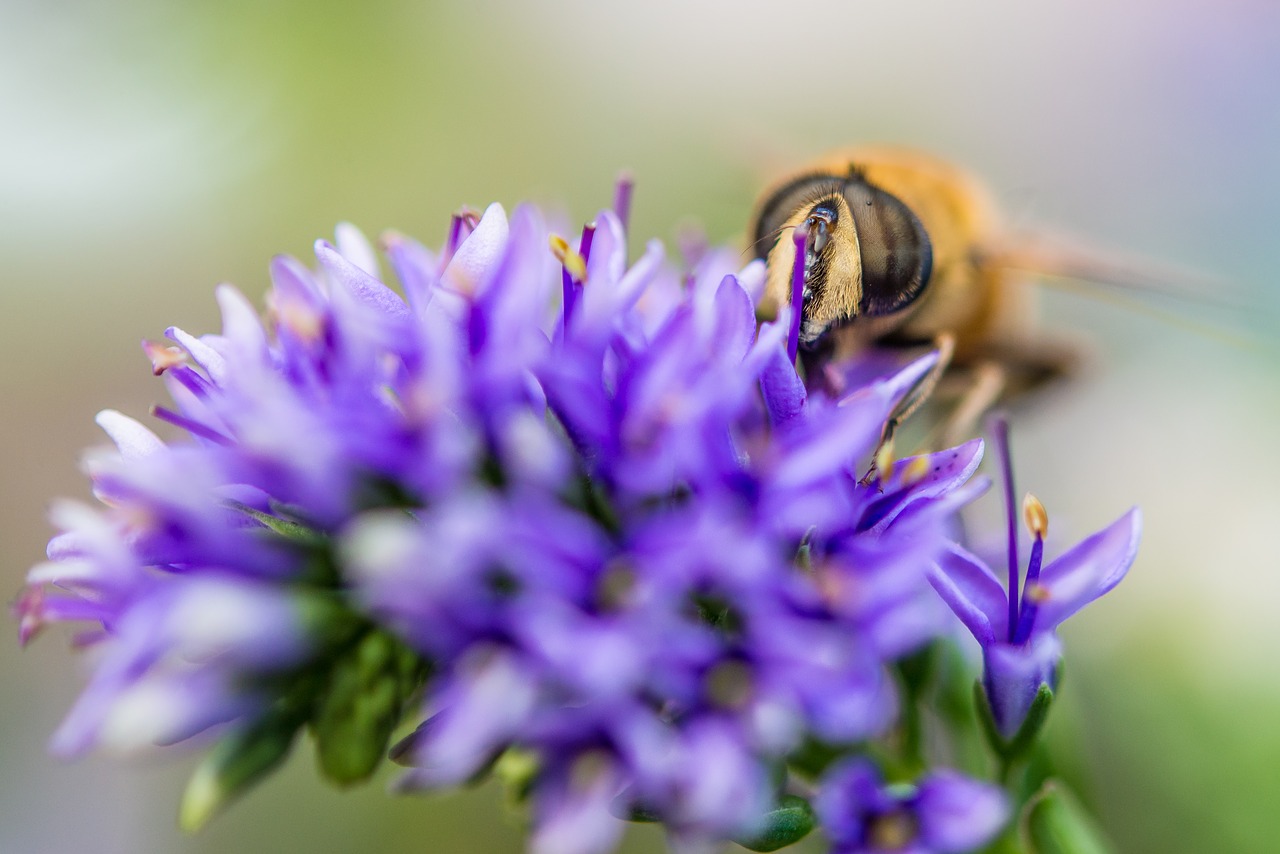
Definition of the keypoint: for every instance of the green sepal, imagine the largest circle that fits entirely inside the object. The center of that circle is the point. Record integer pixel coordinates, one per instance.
(1055, 823)
(625, 807)
(235, 764)
(364, 700)
(784, 825)
(1013, 749)
(286, 528)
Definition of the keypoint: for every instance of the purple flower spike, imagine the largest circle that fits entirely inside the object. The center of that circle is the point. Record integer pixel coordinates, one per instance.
(584, 509)
(1017, 633)
(943, 813)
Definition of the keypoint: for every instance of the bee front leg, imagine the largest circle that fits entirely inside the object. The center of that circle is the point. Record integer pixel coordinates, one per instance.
(987, 384)
(945, 344)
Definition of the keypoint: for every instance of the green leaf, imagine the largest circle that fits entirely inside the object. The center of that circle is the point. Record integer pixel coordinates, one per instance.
(364, 700)
(786, 825)
(235, 764)
(1055, 823)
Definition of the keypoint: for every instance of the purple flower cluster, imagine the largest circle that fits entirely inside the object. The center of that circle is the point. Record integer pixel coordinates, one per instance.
(587, 507)
(943, 813)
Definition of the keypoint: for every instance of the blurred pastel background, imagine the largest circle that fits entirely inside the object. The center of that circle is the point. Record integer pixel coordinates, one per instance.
(150, 149)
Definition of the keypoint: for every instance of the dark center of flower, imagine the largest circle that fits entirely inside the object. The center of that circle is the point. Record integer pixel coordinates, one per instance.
(891, 831)
(728, 684)
(615, 587)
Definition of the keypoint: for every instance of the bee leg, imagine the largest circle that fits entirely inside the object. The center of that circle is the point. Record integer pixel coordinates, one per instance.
(988, 382)
(945, 344)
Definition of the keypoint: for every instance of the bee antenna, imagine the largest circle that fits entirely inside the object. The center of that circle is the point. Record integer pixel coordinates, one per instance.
(773, 235)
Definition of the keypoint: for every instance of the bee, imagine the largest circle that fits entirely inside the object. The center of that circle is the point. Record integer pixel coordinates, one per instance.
(903, 250)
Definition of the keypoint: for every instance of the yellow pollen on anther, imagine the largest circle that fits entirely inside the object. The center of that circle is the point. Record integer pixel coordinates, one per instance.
(916, 469)
(884, 459)
(573, 262)
(1037, 593)
(1035, 517)
(163, 358)
(299, 318)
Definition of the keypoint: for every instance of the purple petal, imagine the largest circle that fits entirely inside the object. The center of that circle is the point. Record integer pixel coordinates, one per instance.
(608, 260)
(956, 813)
(1012, 675)
(834, 442)
(895, 387)
(1088, 570)
(355, 247)
(205, 356)
(783, 390)
(973, 593)
(360, 284)
(575, 818)
(479, 255)
(944, 471)
(240, 323)
(850, 791)
(735, 320)
(133, 440)
(414, 265)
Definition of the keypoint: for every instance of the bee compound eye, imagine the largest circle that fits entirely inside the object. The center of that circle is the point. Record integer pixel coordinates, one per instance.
(897, 256)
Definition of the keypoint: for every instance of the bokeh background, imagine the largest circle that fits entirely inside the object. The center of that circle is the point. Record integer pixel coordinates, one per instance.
(150, 149)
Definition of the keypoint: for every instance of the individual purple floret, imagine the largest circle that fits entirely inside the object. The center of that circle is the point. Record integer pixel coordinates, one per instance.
(942, 813)
(1020, 647)
(586, 508)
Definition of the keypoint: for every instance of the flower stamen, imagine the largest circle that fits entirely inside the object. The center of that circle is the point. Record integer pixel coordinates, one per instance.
(190, 425)
(460, 227)
(1000, 427)
(163, 358)
(622, 200)
(1033, 592)
(799, 238)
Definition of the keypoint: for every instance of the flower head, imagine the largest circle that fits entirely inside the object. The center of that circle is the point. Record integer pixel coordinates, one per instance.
(589, 507)
(1017, 632)
(941, 813)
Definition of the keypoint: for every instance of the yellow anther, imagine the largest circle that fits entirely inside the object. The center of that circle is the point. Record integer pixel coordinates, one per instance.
(892, 831)
(916, 469)
(1035, 517)
(574, 263)
(163, 358)
(1036, 593)
(884, 459)
(300, 319)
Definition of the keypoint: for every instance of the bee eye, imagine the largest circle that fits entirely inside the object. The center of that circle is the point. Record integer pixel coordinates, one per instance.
(897, 256)
(818, 224)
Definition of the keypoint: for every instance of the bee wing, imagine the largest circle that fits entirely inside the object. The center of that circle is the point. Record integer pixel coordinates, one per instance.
(1062, 264)
(1174, 296)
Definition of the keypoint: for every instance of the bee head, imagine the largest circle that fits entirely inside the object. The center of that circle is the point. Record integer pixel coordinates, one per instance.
(866, 254)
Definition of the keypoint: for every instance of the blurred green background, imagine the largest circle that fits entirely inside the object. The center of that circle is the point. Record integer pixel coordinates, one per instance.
(149, 150)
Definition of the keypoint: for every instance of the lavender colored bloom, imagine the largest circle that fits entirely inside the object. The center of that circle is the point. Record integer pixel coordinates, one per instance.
(1017, 632)
(943, 813)
(592, 499)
